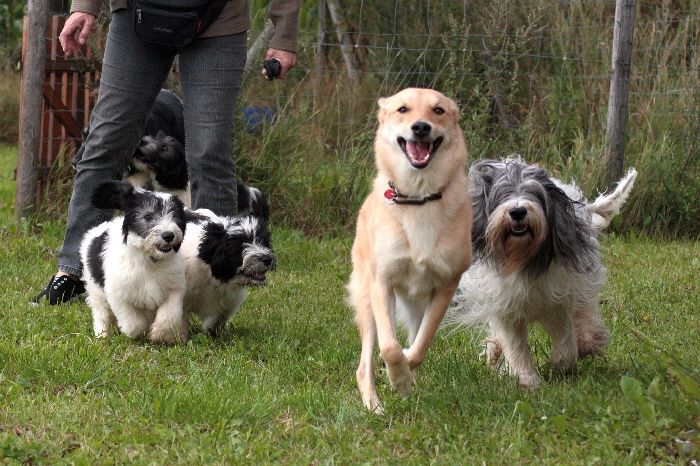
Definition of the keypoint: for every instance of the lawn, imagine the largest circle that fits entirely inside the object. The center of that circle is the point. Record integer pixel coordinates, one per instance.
(279, 386)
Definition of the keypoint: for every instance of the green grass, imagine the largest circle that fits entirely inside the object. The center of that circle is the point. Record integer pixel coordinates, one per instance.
(278, 386)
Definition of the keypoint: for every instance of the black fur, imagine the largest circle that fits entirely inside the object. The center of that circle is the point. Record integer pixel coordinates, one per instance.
(94, 262)
(192, 216)
(569, 237)
(166, 117)
(165, 156)
(142, 209)
(222, 252)
(251, 201)
(111, 195)
(222, 249)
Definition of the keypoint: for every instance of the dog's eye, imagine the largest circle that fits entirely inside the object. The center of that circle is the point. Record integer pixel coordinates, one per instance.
(403, 109)
(164, 148)
(439, 110)
(148, 217)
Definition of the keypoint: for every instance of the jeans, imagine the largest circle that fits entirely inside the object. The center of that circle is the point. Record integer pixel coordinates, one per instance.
(133, 73)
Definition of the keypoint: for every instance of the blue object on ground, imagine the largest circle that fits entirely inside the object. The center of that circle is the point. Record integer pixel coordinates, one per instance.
(257, 116)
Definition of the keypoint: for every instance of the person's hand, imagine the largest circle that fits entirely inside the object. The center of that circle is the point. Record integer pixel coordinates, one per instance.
(287, 61)
(75, 32)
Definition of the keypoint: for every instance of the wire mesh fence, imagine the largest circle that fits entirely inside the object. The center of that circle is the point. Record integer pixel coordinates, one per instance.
(531, 77)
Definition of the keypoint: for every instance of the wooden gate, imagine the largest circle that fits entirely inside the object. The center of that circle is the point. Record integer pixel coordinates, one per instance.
(66, 104)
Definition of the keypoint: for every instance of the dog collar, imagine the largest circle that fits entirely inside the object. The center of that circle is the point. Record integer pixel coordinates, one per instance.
(393, 196)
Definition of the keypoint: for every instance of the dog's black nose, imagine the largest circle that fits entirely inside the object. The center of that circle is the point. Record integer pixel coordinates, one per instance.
(266, 260)
(517, 213)
(421, 128)
(168, 236)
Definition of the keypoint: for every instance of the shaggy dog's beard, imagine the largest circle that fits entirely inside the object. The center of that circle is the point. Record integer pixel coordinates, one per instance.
(255, 268)
(510, 243)
(157, 248)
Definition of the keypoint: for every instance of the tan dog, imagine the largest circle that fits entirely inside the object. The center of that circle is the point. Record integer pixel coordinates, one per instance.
(413, 238)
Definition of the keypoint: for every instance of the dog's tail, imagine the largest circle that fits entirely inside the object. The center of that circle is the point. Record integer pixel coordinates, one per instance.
(607, 206)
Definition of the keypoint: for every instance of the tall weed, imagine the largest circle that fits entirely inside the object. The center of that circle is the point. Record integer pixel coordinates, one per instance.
(9, 105)
(531, 77)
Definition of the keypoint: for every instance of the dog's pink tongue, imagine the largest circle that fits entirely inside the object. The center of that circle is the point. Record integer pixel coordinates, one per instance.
(418, 150)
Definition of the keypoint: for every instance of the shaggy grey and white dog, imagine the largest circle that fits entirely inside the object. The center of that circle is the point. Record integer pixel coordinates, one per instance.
(224, 256)
(536, 259)
(134, 274)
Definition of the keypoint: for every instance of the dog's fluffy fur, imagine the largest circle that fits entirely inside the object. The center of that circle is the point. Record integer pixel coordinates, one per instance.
(407, 259)
(159, 162)
(134, 275)
(223, 256)
(536, 259)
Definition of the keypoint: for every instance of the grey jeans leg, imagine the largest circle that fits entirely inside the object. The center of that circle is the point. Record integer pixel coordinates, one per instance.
(132, 75)
(211, 71)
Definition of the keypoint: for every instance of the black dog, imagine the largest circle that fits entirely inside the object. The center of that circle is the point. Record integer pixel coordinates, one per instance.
(159, 163)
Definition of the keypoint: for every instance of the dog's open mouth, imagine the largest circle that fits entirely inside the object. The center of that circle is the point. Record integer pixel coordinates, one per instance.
(255, 278)
(519, 231)
(164, 248)
(419, 153)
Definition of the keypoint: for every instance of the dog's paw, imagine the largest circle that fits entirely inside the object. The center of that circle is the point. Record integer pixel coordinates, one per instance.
(372, 403)
(563, 357)
(167, 336)
(529, 380)
(401, 378)
(564, 364)
(592, 342)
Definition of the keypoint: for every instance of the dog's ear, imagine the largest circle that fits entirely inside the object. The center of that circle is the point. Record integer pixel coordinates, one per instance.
(481, 177)
(454, 110)
(383, 103)
(222, 252)
(570, 233)
(480, 184)
(111, 195)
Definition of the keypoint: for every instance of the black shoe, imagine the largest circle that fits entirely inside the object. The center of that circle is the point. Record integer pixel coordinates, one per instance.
(61, 289)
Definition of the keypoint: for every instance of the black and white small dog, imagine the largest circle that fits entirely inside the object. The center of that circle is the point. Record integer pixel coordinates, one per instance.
(536, 259)
(224, 256)
(134, 274)
(159, 162)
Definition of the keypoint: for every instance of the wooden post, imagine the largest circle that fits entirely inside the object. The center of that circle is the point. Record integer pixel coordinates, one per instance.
(347, 47)
(322, 49)
(254, 51)
(616, 130)
(33, 68)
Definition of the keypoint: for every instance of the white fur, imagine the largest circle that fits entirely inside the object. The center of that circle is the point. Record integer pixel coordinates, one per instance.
(143, 290)
(563, 300)
(213, 301)
(207, 297)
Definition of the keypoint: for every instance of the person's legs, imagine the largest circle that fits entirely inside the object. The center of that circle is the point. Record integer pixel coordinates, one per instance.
(211, 71)
(132, 75)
